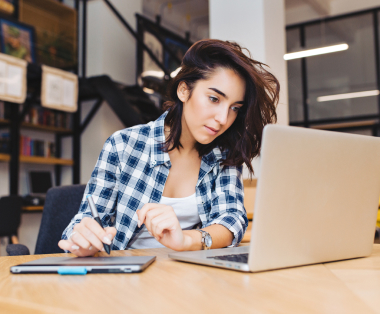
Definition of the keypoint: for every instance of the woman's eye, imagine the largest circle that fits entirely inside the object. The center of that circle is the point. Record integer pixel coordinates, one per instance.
(213, 99)
(236, 109)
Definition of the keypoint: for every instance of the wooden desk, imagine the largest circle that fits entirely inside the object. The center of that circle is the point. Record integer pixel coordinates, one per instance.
(168, 286)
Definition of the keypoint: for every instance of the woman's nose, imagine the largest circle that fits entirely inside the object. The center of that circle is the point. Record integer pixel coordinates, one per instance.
(221, 116)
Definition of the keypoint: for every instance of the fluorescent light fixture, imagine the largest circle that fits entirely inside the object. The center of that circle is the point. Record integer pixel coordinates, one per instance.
(315, 52)
(159, 74)
(348, 95)
(175, 72)
(148, 90)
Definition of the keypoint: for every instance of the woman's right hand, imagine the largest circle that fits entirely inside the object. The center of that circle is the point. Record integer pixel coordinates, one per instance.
(88, 238)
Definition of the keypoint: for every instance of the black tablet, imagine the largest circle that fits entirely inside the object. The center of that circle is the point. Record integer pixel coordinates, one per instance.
(84, 265)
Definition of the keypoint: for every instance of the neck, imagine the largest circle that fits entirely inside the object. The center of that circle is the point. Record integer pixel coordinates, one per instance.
(186, 139)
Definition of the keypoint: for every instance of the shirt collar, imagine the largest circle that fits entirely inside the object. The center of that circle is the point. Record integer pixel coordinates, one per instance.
(157, 138)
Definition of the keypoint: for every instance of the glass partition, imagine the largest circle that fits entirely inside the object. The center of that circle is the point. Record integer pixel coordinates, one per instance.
(349, 71)
(350, 76)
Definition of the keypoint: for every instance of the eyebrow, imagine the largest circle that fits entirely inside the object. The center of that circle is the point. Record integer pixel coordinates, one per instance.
(224, 95)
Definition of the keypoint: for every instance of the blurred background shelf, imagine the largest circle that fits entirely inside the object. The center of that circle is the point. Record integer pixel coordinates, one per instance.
(46, 160)
(5, 157)
(40, 160)
(32, 208)
(45, 128)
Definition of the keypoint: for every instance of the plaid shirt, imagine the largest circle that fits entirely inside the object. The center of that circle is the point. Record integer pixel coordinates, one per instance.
(132, 170)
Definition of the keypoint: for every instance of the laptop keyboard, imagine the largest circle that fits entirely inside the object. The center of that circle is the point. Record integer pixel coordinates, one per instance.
(239, 258)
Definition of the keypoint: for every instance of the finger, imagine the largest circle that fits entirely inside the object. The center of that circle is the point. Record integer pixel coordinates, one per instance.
(110, 230)
(150, 215)
(92, 238)
(157, 220)
(95, 233)
(65, 245)
(141, 213)
(79, 241)
(68, 246)
(165, 224)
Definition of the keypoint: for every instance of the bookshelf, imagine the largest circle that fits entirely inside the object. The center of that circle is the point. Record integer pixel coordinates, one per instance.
(39, 160)
(59, 123)
(45, 128)
(32, 208)
(5, 157)
(32, 156)
(46, 160)
(32, 126)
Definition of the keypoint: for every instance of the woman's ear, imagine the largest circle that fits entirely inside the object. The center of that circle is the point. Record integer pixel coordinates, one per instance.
(182, 91)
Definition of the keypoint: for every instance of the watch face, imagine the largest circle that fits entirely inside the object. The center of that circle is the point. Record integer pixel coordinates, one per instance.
(208, 240)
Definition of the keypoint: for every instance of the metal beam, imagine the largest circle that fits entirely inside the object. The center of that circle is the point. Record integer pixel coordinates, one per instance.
(91, 114)
(321, 6)
(139, 40)
(14, 141)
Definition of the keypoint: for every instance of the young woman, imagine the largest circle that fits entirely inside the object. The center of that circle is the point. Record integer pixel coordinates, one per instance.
(155, 185)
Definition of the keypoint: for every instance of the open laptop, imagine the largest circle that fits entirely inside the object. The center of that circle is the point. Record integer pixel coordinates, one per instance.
(317, 201)
(39, 182)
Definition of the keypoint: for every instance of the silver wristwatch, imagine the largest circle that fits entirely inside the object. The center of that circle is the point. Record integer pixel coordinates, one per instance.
(206, 239)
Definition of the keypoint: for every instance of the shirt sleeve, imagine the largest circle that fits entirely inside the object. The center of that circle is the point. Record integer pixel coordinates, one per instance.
(227, 208)
(103, 186)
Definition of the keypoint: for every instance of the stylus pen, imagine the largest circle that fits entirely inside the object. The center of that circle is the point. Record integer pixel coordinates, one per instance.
(95, 214)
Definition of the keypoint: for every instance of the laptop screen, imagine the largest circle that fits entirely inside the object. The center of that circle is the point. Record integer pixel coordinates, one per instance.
(40, 182)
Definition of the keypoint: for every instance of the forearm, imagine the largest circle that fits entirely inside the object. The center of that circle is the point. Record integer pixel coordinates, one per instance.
(221, 237)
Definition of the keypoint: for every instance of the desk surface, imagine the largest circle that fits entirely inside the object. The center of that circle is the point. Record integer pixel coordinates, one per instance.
(168, 286)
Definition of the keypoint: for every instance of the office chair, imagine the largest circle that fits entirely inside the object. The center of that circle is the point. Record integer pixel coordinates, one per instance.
(61, 204)
(10, 213)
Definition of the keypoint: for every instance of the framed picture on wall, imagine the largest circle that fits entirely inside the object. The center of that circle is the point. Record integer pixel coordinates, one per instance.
(159, 39)
(9, 7)
(17, 39)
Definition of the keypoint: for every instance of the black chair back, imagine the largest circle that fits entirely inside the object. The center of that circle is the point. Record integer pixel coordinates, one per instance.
(10, 213)
(61, 205)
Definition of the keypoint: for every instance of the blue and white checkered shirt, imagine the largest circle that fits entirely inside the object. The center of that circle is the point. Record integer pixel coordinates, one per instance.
(132, 170)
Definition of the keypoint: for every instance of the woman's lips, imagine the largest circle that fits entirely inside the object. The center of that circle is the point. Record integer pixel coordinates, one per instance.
(211, 130)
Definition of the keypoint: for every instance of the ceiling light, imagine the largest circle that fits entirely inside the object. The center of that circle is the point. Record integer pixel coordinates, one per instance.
(175, 72)
(315, 52)
(348, 95)
(148, 90)
(159, 74)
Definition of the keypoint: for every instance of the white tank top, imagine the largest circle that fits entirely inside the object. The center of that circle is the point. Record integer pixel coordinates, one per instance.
(187, 213)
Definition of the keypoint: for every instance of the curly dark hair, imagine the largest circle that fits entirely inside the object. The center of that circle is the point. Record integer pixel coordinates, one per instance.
(242, 141)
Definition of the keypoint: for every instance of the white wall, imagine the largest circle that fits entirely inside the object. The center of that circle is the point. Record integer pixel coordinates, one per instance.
(111, 49)
(260, 27)
(102, 126)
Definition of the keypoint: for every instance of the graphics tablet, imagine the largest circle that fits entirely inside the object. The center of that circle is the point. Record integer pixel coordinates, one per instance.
(84, 265)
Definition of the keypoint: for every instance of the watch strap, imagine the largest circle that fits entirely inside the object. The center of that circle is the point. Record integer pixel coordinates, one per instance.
(203, 240)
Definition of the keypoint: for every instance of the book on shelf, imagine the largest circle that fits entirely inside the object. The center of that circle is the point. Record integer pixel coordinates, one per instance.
(32, 147)
(28, 146)
(4, 143)
(40, 116)
(47, 117)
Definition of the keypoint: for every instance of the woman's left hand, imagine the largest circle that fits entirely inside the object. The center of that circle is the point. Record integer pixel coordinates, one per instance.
(162, 223)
